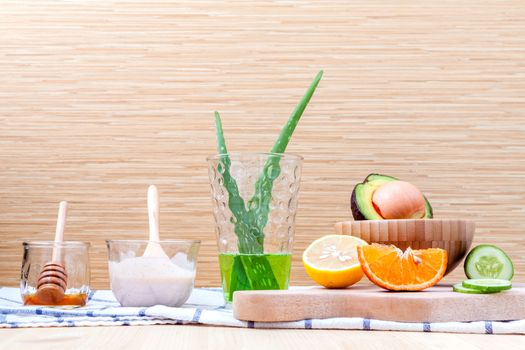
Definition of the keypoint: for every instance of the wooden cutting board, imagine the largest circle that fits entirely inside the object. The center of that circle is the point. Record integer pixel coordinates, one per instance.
(437, 304)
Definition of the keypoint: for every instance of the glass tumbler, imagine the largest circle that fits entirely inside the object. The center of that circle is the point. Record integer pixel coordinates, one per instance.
(74, 258)
(254, 199)
(139, 278)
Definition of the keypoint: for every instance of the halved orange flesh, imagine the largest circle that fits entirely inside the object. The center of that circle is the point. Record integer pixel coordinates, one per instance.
(389, 267)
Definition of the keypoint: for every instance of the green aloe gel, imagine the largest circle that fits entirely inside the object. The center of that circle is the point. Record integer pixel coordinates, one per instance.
(240, 272)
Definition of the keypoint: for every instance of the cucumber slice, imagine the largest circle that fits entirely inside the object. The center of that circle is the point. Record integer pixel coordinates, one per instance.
(488, 261)
(487, 284)
(458, 287)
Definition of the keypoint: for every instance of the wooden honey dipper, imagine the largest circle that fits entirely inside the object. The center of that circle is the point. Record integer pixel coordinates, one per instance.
(52, 281)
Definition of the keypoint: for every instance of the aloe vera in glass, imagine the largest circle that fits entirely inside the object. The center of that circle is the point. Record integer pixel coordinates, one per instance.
(255, 200)
(255, 228)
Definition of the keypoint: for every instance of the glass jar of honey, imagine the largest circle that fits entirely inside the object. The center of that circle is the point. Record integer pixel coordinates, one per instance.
(55, 274)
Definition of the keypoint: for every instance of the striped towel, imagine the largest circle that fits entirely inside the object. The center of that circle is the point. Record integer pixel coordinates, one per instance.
(206, 306)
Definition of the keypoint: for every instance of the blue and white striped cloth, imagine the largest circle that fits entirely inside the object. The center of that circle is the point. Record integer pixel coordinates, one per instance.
(206, 307)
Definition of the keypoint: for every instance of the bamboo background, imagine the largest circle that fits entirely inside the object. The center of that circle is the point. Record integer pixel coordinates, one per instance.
(100, 99)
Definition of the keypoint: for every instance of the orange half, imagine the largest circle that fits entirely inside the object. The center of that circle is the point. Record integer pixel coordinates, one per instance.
(389, 267)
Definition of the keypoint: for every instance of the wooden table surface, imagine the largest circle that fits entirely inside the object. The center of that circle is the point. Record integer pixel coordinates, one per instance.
(198, 337)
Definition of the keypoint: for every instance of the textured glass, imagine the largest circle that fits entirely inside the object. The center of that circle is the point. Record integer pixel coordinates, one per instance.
(74, 258)
(268, 187)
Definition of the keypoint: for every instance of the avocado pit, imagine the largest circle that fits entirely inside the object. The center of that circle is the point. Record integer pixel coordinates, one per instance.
(381, 197)
(399, 200)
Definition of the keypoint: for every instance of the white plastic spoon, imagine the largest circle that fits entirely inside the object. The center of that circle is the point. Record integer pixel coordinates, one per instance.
(154, 250)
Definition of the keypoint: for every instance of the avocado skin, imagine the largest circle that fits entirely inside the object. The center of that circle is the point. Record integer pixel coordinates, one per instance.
(358, 215)
(429, 211)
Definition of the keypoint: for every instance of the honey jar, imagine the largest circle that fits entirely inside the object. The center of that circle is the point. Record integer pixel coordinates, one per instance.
(62, 266)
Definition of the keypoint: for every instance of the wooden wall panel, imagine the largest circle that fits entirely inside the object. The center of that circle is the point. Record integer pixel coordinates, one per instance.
(100, 99)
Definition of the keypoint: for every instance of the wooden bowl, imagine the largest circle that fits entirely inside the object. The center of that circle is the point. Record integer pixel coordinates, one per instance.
(455, 236)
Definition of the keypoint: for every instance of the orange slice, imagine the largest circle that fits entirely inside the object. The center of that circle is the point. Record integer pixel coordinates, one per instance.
(332, 261)
(389, 267)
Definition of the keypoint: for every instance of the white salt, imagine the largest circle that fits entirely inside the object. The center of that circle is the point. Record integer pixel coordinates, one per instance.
(148, 281)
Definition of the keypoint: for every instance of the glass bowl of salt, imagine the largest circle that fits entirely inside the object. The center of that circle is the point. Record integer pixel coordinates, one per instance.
(145, 273)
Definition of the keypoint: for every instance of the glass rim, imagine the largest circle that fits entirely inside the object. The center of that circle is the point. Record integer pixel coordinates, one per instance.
(146, 241)
(59, 244)
(290, 156)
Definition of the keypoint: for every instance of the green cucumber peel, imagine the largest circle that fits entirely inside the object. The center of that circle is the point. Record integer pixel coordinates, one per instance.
(487, 284)
(458, 288)
(488, 261)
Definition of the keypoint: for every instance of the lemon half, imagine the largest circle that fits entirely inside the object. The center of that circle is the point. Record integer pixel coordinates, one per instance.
(332, 261)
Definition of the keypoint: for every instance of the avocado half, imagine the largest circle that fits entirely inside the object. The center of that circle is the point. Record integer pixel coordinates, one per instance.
(361, 202)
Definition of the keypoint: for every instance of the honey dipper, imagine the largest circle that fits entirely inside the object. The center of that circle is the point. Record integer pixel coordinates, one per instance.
(52, 281)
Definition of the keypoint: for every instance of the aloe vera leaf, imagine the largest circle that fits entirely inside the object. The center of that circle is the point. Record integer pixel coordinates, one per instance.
(259, 272)
(238, 279)
(259, 205)
(235, 201)
(289, 127)
(242, 225)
